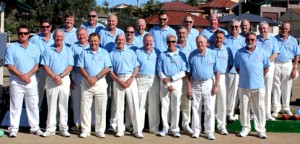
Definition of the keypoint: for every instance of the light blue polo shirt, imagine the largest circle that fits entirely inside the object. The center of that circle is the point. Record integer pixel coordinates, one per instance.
(234, 45)
(139, 39)
(39, 40)
(108, 40)
(224, 58)
(23, 59)
(147, 61)
(288, 48)
(92, 62)
(91, 29)
(123, 61)
(269, 44)
(251, 67)
(203, 67)
(171, 65)
(76, 49)
(187, 49)
(209, 34)
(132, 46)
(57, 61)
(192, 36)
(70, 37)
(160, 37)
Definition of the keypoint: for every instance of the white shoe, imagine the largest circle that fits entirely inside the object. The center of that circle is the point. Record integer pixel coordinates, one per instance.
(176, 134)
(162, 133)
(100, 135)
(289, 113)
(262, 135)
(231, 118)
(210, 136)
(120, 134)
(270, 118)
(12, 134)
(188, 130)
(243, 133)
(139, 135)
(275, 114)
(195, 135)
(64, 133)
(223, 131)
(84, 134)
(48, 133)
(37, 132)
(112, 129)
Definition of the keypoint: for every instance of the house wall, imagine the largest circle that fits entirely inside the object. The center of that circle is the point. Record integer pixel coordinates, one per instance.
(271, 12)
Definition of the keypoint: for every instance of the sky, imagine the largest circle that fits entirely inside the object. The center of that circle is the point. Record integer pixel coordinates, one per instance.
(129, 2)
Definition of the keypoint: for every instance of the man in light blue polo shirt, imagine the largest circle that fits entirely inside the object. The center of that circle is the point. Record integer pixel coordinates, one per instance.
(43, 40)
(70, 30)
(160, 32)
(285, 70)
(269, 44)
(76, 77)
(108, 35)
(130, 38)
(234, 41)
(57, 62)
(140, 32)
(186, 47)
(124, 71)
(92, 25)
(214, 26)
(225, 60)
(171, 67)
(252, 63)
(22, 61)
(203, 83)
(192, 32)
(94, 64)
(148, 83)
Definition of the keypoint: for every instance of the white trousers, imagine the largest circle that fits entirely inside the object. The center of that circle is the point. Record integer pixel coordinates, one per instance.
(185, 105)
(268, 88)
(148, 92)
(202, 92)
(232, 81)
(282, 86)
(221, 104)
(170, 104)
(132, 100)
(41, 75)
(99, 93)
(254, 99)
(57, 93)
(76, 97)
(18, 92)
(110, 94)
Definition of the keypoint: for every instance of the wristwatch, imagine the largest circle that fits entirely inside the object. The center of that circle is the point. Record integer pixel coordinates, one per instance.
(61, 75)
(171, 79)
(98, 77)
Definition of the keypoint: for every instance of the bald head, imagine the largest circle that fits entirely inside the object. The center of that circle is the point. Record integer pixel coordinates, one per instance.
(112, 22)
(201, 42)
(140, 26)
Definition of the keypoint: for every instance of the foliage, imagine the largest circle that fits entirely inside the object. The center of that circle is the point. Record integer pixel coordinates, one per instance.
(126, 18)
(149, 8)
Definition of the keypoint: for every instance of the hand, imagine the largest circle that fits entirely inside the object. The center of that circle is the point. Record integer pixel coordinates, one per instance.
(293, 72)
(214, 90)
(123, 84)
(57, 80)
(170, 88)
(92, 81)
(166, 80)
(129, 81)
(25, 78)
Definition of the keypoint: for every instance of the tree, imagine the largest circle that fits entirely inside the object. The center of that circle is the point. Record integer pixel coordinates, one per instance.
(106, 6)
(149, 8)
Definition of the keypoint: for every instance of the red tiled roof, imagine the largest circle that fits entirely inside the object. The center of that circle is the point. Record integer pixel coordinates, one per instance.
(179, 6)
(176, 18)
(218, 4)
(296, 10)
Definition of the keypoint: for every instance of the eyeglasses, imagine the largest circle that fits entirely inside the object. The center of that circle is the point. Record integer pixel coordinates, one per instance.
(250, 39)
(45, 27)
(130, 32)
(162, 19)
(23, 33)
(234, 26)
(91, 16)
(171, 42)
(188, 21)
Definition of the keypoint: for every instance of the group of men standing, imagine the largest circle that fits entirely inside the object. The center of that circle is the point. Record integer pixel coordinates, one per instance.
(162, 69)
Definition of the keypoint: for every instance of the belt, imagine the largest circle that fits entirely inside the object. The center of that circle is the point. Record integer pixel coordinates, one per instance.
(282, 62)
(146, 76)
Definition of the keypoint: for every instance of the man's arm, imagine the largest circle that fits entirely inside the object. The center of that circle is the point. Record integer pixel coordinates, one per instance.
(295, 67)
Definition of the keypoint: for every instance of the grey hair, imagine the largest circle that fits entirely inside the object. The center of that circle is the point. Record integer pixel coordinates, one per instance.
(80, 29)
(171, 35)
(263, 23)
(147, 35)
(58, 30)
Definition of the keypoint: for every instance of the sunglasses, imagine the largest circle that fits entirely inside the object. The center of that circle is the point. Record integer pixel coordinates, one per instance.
(45, 27)
(162, 19)
(23, 33)
(130, 32)
(91, 16)
(188, 21)
(171, 42)
(234, 26)
(250, 39)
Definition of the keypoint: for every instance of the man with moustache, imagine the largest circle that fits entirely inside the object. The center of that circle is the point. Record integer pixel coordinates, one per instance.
(92, 26)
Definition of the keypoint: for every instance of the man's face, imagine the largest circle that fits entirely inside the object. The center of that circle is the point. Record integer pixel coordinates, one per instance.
(112, 22)
(234, 27)
(92, 18)
(82, 36)
(189, 22)
(201, 43)
(94, 42)
(129, 33)
(148, 43)
(163, 20)
(214, 22)
(182, 34)
(59, 38)
(141, 26)
(219, 39)
(46, 28)
(245, 26)
(120, 41)
(250, 41)
(263, 29)
(23, 35)
(69, 22)
(285, 29)
(171, 42)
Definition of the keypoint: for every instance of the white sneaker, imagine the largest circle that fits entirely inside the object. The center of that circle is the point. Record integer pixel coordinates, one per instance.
(48, 133)
(37, 132)
(210, 136)
(112, 129)
(162, 133)
(84, 134)
(139, 135)
(119, 134)
(289, 113)
(243, 133)
(100, 135)
(64, 133)
(195, 135)
(188, 130)
(231, 118)
(223, 131)
(12, 134)
(262, 135)
(176, 134)
(275, 114)
(270, 118)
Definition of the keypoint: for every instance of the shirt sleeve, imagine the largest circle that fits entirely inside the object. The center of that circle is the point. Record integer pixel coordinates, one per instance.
(45, 58)
(80, 62)
(8, 56)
